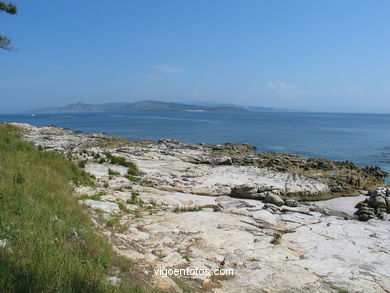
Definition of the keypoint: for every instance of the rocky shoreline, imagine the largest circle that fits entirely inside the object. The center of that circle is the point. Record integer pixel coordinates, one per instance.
(278, 220)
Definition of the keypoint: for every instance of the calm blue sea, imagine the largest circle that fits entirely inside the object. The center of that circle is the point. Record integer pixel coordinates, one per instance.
(361, 138)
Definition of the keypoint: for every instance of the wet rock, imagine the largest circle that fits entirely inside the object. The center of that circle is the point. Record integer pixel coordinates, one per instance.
(273, 199)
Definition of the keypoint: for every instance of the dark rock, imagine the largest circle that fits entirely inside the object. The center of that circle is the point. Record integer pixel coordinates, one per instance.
(364, 217)
(291, 203)
(361, 204)
(222, 161)
(382, 214)
(377, 202)
(245, 191)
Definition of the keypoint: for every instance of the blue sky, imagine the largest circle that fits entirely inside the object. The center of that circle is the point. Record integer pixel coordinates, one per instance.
(320, 55)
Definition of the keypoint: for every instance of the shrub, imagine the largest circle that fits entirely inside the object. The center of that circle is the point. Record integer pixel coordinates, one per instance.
(112, 222)
(132, 178)
(123, 207)
(122, 161)
(81, 164)
(133, 170)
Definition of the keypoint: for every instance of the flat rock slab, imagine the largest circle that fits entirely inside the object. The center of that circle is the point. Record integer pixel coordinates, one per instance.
(341, 204)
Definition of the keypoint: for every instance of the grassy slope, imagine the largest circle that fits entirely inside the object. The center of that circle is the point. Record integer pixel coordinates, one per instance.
(51, 246)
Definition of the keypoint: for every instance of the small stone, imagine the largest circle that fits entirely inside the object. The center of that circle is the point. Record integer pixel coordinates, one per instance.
(114, 281)
(3, 243)
(291, 203)
(274, 199)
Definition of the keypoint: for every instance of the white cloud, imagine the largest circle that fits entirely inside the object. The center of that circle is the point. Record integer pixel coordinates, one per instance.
(282, 88)
(153, 76)
(167, 68)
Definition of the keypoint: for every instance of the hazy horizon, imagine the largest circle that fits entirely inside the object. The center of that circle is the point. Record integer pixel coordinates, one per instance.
(322, 56)
(196, 103)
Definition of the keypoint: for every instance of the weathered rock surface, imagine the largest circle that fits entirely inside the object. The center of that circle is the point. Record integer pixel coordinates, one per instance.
(220, 169)
(178, 214)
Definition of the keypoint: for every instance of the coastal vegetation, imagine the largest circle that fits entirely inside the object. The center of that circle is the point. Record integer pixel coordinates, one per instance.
(47, 243)
(5, 42)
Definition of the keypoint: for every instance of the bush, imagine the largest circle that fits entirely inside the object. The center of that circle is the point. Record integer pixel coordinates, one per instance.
(113, 222)
(81, 164)
(122, 161)
(123, 207)
(132, 178)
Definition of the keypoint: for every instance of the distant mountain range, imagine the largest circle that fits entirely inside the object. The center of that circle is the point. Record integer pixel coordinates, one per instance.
(149, 106)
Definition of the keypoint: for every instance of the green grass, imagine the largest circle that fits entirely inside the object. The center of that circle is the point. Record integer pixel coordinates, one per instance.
(113, 173)
(113, 222)
(51, 245)
(182, 284)
(133, 178)
(82, 163)
(93, 197)
(123, 207)
(133, 169)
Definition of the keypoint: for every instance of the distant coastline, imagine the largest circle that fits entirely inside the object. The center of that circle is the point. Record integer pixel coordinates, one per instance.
(147, 106)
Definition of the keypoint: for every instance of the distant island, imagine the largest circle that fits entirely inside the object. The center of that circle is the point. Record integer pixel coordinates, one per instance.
(147, 106)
